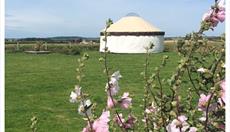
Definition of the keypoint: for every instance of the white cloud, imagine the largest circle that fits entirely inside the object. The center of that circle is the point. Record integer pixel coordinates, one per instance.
(31, 20)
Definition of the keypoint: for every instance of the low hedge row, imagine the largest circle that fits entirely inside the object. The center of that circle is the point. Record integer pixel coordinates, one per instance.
(55, 48)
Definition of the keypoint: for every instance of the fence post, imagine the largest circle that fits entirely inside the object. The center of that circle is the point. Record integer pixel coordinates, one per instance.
(17, 46)
(46, 46)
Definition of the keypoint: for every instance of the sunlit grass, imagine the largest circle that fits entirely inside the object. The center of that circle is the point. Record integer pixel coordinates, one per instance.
(40, 85)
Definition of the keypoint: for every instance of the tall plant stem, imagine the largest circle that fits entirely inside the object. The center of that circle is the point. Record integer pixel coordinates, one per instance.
(161, 97)
(108, 80)
(146, 90)
(206, 113)
(85, 112)
(193, 84)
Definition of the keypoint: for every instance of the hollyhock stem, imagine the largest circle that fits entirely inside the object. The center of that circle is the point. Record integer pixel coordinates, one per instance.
(178, 111)
(161, 97)
(123, 125)
(90, 124)
(108, 79)
(146, 89)
(85, 112)
(193, 84)
(206, 113)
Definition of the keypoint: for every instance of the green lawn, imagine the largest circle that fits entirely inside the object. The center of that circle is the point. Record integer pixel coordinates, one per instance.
(40, 85)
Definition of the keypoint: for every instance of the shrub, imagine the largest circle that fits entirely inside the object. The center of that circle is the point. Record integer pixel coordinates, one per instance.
(170, 111)
(55, 48)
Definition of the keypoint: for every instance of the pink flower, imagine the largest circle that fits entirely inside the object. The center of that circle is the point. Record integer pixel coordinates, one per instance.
(210, 16)
(214, 21)
(207, 15)
(87, 128)
(130, 122)
(119, 121)
(125, 101)
(221, 126)
(113, 86)
(172, 127)
(192, 129)
(220, 15)
(150, 110)
(223, 89)
(182, 118)
(215, 15)
(203, 101)
(75, 94)
(175, 125)
(100, 124)
(110, 102)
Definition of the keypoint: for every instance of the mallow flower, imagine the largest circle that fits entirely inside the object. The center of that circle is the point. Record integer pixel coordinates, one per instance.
(128, 124)
(220, 15)
(75, 94)
(85, 107)
(119, 121)
(113, 83)
(110, 103)
(209, 16)
(223, 89)
(178, 123)
(203, 102)
(215, 15)
(151, 109)
(125, 101)
(100, 124)
(192, 129)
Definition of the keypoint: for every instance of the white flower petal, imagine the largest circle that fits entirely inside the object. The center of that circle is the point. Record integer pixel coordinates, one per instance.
(116, 75)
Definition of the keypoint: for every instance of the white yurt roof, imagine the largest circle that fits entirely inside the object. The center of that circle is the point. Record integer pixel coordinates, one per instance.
(132, 23)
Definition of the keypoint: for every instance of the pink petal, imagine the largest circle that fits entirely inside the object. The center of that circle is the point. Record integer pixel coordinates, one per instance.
(182, 118)
(207, 15)
(110, 102)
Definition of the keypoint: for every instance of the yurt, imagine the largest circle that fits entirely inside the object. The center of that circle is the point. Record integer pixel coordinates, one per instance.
(132, 34)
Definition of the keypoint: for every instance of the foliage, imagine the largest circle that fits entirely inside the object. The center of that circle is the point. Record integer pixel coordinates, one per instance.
(170, 111)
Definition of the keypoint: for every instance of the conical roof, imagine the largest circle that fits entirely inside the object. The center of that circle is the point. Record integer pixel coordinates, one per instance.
(132, 23)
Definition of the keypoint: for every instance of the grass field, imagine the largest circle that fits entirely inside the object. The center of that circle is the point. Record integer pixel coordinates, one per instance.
(40, 85)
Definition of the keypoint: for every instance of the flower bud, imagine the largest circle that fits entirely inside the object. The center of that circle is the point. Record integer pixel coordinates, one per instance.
(172, 113)
(173, 103)
(82, 65)
(78, 77)
(101, 59)
(165, 57)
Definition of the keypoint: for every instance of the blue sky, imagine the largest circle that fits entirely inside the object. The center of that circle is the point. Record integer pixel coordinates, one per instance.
(47, 18)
